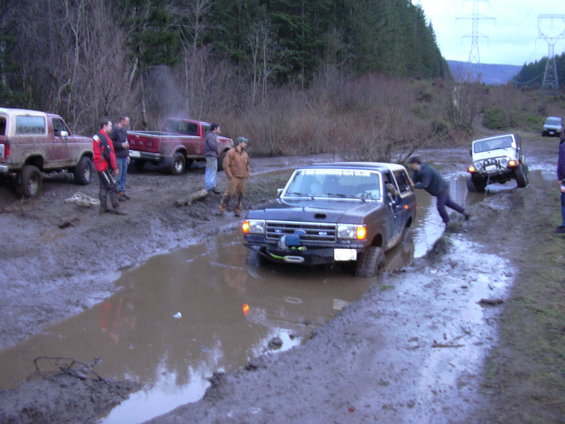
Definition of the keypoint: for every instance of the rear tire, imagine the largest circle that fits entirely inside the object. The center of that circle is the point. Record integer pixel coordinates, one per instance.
(137, 164)
(178, 164)
(521, 175)
(30, 181)
(221, 160)
(83, 171)
(370, 263)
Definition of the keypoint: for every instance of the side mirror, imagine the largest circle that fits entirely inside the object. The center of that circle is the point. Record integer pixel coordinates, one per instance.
(470, 152)
(62, 134)
(279, 191)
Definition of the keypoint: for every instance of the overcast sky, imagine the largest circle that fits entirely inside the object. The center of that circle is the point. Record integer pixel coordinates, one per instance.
(512, 37)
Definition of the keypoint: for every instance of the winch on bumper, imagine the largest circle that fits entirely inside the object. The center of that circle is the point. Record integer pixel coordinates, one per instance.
(305, 244)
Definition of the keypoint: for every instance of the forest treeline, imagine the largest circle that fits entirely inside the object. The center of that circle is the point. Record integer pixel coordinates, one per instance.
(56, 51)
(531, 74)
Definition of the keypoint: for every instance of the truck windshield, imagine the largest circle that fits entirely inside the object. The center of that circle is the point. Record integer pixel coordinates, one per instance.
(553, 121)
(493, 144)
(334, 183)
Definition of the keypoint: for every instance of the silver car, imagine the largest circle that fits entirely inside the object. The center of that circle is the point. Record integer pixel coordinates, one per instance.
(553, 126)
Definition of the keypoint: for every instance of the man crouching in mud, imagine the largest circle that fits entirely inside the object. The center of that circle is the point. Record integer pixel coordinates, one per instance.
(427, 178)
(106, 164)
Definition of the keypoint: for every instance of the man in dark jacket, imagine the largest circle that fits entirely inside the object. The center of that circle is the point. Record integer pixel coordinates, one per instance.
(105, 164)
(211, 145)
(119, 136)
(427, 178)
(561, 178)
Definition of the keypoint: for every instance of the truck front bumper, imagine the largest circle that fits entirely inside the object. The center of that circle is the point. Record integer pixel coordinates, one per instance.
(304, 255)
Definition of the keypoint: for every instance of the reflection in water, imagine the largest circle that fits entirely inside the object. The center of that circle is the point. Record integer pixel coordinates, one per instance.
(229, 313)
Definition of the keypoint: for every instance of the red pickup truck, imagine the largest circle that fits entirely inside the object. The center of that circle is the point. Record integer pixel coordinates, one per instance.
(180, 142)
(33, 142)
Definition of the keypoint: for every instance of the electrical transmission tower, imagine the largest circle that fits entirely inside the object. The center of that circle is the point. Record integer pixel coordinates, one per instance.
(551, 32)
(473, 69)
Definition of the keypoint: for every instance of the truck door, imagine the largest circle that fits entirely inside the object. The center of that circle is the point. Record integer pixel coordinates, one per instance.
(58, 151)
(394, 203)
(405, 200)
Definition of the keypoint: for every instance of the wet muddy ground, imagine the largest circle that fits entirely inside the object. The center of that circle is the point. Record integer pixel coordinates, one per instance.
(411, 347)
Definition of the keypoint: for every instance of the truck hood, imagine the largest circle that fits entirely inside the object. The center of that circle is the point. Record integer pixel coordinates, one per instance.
(319, 210)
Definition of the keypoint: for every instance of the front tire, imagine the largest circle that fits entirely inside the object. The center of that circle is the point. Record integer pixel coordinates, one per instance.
(370, 263)
(521, 174)
(476, 184)
(255, 259)
(83, 171)
(30, 181)
(178, 164)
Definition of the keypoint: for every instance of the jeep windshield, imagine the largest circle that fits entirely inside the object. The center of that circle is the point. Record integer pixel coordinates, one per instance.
(494, 143)
(334, 184)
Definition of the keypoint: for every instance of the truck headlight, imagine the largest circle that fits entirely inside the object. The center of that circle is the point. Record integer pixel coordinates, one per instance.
(351, 231)
(253, 226)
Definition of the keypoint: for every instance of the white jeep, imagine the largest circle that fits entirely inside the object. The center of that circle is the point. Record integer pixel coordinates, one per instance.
(496, 160)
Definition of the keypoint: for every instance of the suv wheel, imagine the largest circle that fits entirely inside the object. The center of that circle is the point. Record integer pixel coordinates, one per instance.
(83, 171)
(30, 181)
(370, 262)
(521, 175)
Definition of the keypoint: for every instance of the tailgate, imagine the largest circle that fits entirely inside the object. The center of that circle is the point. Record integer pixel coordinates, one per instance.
(145, 141)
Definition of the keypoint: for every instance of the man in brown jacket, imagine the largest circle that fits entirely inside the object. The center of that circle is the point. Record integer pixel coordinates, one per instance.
(236, 165)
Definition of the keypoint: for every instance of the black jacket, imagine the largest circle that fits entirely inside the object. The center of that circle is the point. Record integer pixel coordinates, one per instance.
(429, 179)
(119, 136)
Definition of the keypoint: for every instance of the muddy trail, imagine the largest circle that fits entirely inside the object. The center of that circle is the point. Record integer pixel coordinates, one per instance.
(407, 346)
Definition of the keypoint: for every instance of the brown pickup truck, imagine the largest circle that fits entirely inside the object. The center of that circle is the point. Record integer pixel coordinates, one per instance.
(32, 143)
(180, 142)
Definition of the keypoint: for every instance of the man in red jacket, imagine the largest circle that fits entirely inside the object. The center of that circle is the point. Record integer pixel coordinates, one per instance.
(106, 165)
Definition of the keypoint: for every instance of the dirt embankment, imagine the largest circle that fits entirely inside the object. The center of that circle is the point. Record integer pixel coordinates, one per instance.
(63, 259)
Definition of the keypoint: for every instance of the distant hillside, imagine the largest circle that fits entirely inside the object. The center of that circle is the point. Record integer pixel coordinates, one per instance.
(490, 74)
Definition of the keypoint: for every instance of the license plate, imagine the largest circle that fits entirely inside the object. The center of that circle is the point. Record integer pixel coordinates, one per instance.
(134, 154)
(345, 254)
(491, 167)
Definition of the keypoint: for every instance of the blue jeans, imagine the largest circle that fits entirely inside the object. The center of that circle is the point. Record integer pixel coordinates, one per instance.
(122, 178)
(444, 200)
(210, 174)
(563, 208)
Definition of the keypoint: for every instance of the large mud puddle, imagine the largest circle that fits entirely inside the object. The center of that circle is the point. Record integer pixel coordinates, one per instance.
(182, 316)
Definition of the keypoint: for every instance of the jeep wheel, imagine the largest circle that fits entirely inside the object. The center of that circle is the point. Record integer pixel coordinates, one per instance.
(177, 165)
(30, 181)
(476, 184)
(83, 171)
(521, 175)
(255, 259)
(370, 262)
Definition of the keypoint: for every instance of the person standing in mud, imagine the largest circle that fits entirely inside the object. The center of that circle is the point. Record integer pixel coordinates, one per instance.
(429, 179)
(561, 178)
(236, 166)
(211, 145)
(119, 136)
(107, 167)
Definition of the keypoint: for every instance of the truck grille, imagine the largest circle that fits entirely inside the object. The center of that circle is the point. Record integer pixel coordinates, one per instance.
(310, 231)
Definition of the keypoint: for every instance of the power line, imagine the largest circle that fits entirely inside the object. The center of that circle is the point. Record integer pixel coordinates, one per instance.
(473, 71)
(551, 36)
